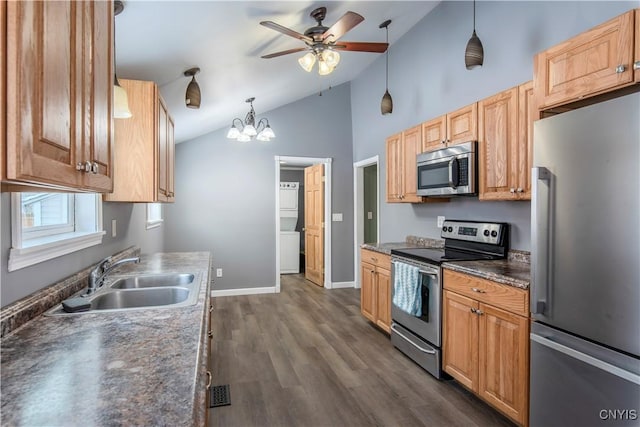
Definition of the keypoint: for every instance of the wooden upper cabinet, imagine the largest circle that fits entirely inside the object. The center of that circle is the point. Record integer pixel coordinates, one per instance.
(395, 171)
(453, 128)
(505, 144)
(411, 147)
(596, 61)
(144, 150)
(59, 94)
(636, 55)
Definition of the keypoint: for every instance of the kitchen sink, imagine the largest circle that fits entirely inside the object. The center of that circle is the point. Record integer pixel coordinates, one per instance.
(153, 281)
(139, 298)
(145, 291)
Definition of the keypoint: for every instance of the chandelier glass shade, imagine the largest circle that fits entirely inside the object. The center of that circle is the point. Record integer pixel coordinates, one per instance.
(245, 130)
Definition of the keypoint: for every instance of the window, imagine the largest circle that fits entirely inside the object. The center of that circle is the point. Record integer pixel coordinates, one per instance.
(154, 215)
(49, 225)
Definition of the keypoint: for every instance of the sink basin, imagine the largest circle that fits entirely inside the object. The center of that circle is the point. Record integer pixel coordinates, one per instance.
(139, 298)
(153, 281)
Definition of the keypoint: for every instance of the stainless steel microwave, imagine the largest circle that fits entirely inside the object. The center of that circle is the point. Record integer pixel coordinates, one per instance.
(448, 171)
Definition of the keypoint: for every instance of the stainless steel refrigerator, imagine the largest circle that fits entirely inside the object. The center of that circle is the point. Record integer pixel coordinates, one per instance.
(585, 249)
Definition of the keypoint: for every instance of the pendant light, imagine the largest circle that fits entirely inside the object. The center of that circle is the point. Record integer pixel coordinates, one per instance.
(245, 131)
(474, 54)
(192, 97)
(120, 100)
(386, 106)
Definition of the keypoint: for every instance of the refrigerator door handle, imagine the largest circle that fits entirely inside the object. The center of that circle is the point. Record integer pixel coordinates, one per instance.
(540, 278)
(590, 360)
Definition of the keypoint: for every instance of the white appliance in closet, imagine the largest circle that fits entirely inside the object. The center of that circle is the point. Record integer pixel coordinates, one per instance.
(289, 237)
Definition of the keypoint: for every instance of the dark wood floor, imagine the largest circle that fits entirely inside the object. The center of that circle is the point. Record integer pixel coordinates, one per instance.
(307, 357)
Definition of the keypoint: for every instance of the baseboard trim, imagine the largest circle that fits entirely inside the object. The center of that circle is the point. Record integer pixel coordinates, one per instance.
(243, 291)
(339, 285)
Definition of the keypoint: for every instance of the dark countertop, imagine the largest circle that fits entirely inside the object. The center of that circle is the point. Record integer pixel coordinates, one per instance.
(508, 272)
(139, 367)
(412, 242)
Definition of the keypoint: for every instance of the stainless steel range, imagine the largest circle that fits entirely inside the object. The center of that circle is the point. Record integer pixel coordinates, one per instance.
(418, 335)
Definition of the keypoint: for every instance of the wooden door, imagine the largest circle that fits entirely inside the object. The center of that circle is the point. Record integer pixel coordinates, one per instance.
(98, 94)
(314, 223)
(411, 147)
(462, 125)
(434, 134)
(3, 73)
(44, 111)
(368, 291)
(171, 162)
(163, 119)
(586, 64)
(636, 55)
(394, 168)
(460, 339)
(383, 299)
(527, 114)
(504, 361)
(497, 146)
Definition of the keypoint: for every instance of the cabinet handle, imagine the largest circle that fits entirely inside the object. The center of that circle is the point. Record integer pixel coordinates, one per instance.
(512, 190)
(372, 271)
(374, 259)
(480, 291)
(210, 309)
(476, 311)
(621, 68)
(444, 141)
(210, 334)
(83, 166)
(95, 167)
(519, 190)
(636, 65)
(209, 379)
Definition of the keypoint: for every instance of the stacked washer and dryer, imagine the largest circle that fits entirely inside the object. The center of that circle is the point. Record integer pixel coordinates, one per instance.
(289, 237)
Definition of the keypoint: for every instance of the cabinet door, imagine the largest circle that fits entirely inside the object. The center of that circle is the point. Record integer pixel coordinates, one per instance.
(383, 299)
(171, 155)
(163, 151)
(434, 134)
(462, 125)
(394, 168)
(504, 361)
(636, 55)
(368, 291)
(411, 147)
(3, 73)
(527, 114)
(586, 64)
(498, 146)
(98, 94)
(44, 109)
(460, 339)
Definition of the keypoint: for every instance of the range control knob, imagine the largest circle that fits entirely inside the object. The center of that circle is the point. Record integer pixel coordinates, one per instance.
(494, 233)
(450, 229)
(486, 233)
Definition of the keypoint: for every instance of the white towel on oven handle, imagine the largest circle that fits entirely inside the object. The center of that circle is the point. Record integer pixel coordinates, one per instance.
(406, 288)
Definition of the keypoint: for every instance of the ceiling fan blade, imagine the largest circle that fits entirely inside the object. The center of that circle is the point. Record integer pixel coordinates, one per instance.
(284, 52)
(344, 24)
(286, 31)
(361, 46)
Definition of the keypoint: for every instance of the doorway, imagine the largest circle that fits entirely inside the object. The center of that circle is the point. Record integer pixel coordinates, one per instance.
(366, 191)
(312, 198)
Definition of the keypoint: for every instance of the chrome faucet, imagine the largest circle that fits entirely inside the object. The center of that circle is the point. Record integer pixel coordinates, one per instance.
(104, 267)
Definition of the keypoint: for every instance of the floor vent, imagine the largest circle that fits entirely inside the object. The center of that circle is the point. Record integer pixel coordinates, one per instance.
(219, 396)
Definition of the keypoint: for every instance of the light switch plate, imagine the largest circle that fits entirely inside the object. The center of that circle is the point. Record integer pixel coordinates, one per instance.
(336, 217)
(440, 221)
(369, 215)
(218, 272)
(113, 228)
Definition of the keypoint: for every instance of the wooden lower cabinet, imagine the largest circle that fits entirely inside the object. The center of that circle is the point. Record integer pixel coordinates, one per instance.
(486, 347)
(375, 292)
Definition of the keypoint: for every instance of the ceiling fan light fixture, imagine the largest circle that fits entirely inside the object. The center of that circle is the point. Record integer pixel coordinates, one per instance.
(324, 68)
(474, 53)
(192, 96)
(307, 61)
(330, 57)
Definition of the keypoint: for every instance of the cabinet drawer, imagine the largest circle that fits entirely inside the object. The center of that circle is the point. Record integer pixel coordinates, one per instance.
(376, 258)
(502, 296)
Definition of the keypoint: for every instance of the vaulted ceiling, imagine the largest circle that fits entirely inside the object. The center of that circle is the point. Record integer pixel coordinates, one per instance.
(159, 40)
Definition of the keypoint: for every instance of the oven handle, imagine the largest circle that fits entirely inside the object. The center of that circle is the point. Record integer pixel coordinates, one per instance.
(426, 273)
(424, 350)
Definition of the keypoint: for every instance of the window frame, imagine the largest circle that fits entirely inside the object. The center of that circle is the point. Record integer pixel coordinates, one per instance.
(28, 252)
(52, 230)
(153, 222)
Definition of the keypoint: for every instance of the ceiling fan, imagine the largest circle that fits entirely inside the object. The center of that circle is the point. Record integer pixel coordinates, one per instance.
(322, 42)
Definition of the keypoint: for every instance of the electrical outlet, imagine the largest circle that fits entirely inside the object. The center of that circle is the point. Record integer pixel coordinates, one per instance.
(336, 217)
(218, 272)
(113, 228)
(440, 221)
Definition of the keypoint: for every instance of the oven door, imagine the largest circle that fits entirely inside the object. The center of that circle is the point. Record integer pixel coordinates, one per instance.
(427, 325)
(447, 175)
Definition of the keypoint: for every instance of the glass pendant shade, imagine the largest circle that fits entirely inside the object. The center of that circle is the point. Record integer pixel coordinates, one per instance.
(249, 130)
(262, 137)
(233, 132)
(324, 68)
(192, 97)
(331, 57)
(268, 132)
(474, 54)
(120, 102)
(386, 106)
(243, 138)
(307, 61)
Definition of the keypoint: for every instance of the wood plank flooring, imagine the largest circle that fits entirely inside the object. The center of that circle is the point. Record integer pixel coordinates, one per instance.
(307, 357)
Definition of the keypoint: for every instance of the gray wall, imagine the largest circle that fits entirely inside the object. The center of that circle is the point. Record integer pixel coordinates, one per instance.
(130, 229)
(225, 190)
(427, 78)
(288, 175)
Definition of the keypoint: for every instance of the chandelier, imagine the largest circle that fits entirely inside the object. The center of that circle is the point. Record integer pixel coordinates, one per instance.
(244, 131)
